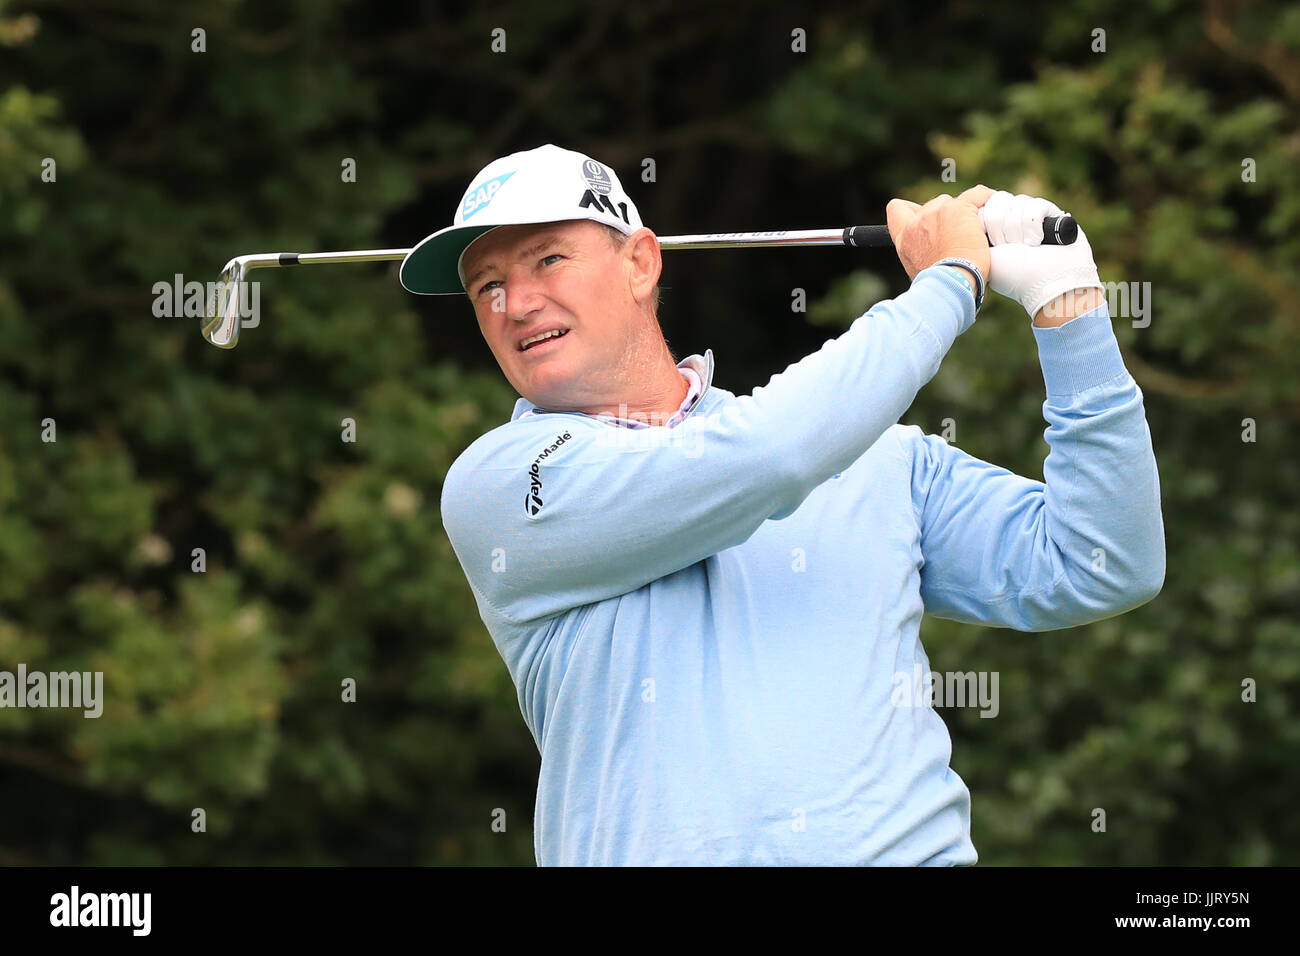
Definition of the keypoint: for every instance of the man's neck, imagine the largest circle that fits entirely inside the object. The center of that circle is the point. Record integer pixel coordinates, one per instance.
(654, 405)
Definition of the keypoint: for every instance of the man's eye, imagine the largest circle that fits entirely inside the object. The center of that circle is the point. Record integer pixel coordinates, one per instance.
(487, 285)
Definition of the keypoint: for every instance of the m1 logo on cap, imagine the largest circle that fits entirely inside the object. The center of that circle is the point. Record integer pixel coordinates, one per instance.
(590, 199)
(597, 177)
(478, 197)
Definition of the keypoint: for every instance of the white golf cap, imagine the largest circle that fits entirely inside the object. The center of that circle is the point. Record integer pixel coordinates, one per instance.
(546, 184)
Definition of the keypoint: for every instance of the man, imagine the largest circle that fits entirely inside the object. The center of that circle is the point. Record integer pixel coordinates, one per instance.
(704, 599)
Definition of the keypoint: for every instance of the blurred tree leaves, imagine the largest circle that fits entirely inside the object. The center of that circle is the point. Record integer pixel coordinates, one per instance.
(326, 560)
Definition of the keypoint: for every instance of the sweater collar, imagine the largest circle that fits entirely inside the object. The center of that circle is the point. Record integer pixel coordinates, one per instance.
(697, 370)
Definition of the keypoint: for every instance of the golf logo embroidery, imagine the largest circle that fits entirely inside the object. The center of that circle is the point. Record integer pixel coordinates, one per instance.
(589, 198)
(597, 177)
(533, 498)
(477, 197)
(599, 186)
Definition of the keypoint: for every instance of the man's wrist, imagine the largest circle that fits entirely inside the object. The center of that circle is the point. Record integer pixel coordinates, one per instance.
(964, 275)
(970, 274)
(1067, 306)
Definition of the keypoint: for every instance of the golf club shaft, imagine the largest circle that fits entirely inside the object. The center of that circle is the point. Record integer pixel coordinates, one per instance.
(873, 236)
(1057, 230)
(221, 326)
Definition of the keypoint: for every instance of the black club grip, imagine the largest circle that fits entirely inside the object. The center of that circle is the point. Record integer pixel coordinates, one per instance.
(1057, 231)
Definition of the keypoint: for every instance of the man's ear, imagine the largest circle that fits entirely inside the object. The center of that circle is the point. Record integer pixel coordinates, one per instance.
(645, 263)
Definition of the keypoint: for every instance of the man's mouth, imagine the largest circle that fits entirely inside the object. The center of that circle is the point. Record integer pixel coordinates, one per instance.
(539, 341)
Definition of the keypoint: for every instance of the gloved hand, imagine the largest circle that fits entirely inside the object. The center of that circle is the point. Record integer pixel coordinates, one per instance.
(1023, 269)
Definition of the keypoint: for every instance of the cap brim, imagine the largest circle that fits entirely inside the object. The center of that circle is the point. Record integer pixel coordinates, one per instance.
(431, 267)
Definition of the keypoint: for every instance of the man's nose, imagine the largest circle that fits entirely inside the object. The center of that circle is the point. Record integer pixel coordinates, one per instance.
(523, 295)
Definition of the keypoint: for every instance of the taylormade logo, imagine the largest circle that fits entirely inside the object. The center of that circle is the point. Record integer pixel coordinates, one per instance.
(102, 909)
(533, 499)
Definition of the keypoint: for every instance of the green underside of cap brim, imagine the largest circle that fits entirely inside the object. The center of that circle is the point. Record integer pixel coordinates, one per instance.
(430, 268)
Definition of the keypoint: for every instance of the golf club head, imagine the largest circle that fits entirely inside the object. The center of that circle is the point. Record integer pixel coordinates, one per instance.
(223, 318)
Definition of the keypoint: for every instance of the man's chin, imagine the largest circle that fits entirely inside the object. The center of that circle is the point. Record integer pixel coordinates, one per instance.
(556, 392)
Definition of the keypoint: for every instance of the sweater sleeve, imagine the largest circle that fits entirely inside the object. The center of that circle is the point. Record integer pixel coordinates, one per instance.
(1087, 543)
(560, 510)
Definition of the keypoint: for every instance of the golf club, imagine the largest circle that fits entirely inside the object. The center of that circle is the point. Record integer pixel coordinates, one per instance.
(222, 322)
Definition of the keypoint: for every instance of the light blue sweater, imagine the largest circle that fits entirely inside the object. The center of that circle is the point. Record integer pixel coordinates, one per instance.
(705, 622)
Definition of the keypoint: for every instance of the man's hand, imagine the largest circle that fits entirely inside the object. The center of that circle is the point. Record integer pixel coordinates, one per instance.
(941, 228)
(1027, 271)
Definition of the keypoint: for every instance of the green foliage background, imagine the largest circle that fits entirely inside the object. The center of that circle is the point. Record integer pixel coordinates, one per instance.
(326, 560)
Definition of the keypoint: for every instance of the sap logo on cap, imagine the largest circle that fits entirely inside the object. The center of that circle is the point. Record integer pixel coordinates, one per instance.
(596, 176)
(478, 197)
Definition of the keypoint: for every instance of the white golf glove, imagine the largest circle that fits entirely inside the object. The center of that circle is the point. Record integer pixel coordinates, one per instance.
(1023, 269)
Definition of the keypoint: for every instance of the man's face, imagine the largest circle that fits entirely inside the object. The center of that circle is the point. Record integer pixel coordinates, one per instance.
(558, 276)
